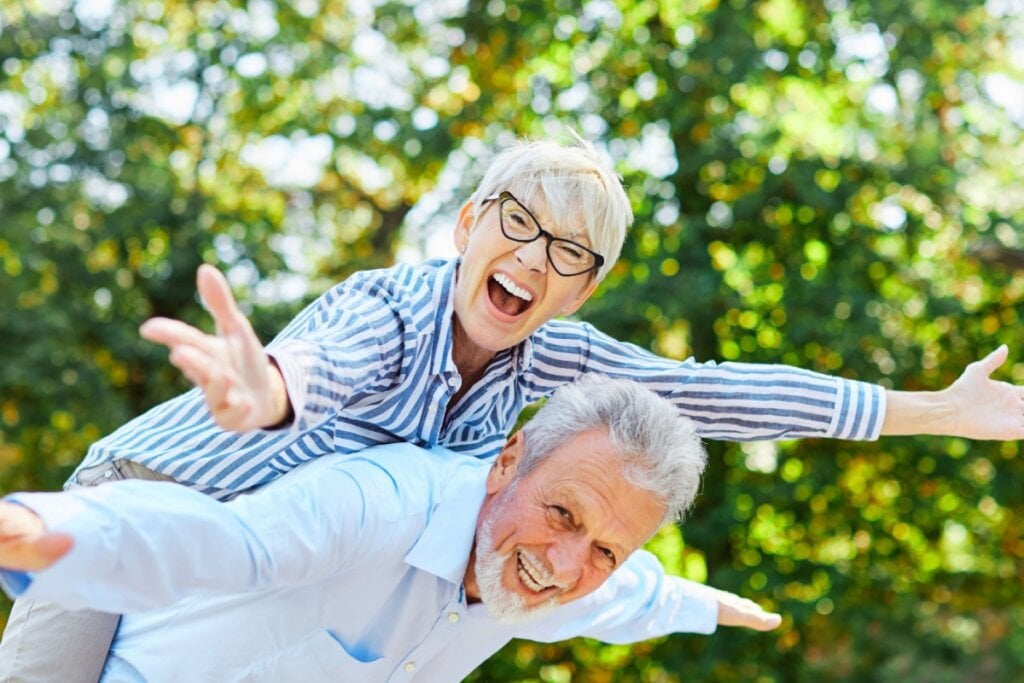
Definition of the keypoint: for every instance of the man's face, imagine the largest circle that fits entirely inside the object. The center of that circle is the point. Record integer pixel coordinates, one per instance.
(506, 290)
(555, 534)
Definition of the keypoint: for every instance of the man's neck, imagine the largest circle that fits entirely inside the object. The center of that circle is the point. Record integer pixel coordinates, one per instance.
(469, 580)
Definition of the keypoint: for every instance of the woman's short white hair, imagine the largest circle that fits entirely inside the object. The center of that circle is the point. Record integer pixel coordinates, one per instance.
(660, 449)
(577, 187)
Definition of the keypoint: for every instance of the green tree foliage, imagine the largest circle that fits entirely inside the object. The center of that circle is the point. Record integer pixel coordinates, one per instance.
(833, 185)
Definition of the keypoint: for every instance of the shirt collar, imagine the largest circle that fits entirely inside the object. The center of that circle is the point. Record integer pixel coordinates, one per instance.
(444, 546)
(524, 355)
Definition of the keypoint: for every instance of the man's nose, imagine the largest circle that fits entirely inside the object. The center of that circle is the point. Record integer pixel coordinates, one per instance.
(534, 255)
(567, 559)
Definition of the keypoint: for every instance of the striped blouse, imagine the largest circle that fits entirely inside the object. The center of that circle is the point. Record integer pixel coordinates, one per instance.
(370, 362)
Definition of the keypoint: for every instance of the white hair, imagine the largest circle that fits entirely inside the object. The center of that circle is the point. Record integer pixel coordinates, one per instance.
(660, 449)
(576, 186)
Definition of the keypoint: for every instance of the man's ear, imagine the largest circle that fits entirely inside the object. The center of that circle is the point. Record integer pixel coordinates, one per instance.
(464, 226)
(575, 304)
(504, 468)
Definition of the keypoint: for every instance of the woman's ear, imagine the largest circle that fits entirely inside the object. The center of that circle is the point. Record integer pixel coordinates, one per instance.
(464, 226)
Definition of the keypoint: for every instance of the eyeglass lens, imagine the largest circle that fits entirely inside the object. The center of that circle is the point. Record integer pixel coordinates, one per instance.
(568, 257)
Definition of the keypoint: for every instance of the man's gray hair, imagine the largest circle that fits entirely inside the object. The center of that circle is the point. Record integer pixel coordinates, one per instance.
(660, 449)
(576, 186)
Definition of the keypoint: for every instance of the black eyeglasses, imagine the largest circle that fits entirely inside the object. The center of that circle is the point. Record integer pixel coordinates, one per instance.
(519, 225)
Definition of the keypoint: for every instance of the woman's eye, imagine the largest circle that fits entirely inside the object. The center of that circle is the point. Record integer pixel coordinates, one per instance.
(570, 252)
(517, 218)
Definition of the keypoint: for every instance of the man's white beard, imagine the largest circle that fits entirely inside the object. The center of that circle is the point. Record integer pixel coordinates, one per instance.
(505, 606)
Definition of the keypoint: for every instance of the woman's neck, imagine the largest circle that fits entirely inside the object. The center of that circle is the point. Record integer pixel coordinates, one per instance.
(470, 359)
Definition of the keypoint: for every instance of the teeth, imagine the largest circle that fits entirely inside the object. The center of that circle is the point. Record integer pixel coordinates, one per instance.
(526, 573)
(511, 287)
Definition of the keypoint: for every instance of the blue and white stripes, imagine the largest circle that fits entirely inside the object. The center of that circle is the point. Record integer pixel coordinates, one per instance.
(370, 363)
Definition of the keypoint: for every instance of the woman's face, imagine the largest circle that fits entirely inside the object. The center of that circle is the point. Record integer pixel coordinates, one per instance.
(505, 289)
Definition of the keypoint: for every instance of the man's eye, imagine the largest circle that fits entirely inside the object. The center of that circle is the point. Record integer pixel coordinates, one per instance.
(608, 555)
(561, 512)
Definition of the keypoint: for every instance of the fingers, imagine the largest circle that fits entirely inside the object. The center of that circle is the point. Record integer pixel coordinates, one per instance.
(24, 543)
(173, 333)
(736, 611)
(204, 370)
(244, 346)
(215, 293)
(35, 553)
(763, 621)
(992, 361)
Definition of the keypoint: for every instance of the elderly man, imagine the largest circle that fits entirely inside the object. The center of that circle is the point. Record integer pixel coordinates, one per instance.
(369, 567)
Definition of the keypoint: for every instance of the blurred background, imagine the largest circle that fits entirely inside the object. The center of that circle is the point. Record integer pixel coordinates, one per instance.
(835, 185)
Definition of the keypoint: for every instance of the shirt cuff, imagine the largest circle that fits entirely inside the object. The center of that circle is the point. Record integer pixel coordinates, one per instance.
(14, 582)
(859, 411)
(293, 360)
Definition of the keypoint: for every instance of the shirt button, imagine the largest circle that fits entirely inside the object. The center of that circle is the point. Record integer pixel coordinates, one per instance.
(453, 617)
(452, 382)
(410, 666)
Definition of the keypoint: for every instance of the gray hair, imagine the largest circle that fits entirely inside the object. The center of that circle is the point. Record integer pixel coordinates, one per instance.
(578, 188)
(661, 452)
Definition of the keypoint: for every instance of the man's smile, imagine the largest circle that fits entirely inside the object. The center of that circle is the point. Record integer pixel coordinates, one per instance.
(532, 573)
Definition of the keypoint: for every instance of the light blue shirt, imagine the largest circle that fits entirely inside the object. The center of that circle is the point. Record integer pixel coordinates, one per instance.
(349, 569)
(370, 363)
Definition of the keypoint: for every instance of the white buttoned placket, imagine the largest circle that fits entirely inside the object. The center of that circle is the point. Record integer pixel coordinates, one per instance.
(445, 629)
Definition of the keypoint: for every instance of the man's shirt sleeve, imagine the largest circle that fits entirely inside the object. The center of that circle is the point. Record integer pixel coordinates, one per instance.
(728, 401)
(140, 545)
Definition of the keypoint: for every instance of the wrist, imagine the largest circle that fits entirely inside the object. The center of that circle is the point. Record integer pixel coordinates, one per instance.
(282, 414)
(921, 412)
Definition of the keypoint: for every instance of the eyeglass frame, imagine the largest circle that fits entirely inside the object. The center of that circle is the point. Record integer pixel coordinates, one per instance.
(505, 196)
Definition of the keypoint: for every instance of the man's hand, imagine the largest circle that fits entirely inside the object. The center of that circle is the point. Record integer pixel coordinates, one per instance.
(25, 544)
(736, 611)
(243, 389)
(975, 406)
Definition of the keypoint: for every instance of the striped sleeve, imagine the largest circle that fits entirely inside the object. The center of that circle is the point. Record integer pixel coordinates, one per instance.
(728, 401)
(347, 345)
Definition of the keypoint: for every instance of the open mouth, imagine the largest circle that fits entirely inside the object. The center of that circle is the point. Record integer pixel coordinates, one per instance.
(507, 296)
(530, 574)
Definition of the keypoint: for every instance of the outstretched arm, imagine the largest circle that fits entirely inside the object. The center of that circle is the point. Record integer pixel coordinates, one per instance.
(640, 601)
(243, 389)
(141, 544)
(975, 406)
